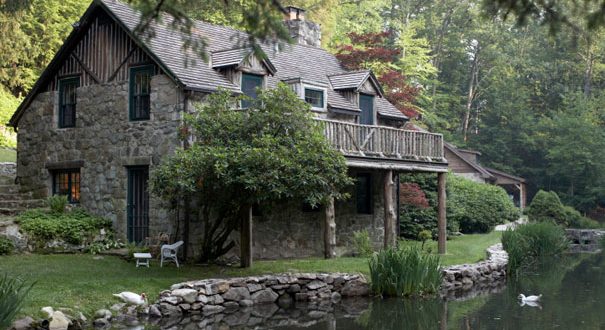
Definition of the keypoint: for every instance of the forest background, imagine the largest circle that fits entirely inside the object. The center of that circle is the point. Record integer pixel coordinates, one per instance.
(529, 98)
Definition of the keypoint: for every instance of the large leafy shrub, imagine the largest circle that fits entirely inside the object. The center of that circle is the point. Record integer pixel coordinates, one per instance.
(546, 206)
(6, 245)
(472, 207)
(404, 272)
(532, 242)
(12, 295)
(72, 227)
(362, 243)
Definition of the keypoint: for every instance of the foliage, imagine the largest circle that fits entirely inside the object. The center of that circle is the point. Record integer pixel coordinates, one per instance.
(6, 245)
(546, 206)
(532, 242)
(424, 236)
(57, 203)
(471, 207)
(12, 296)
(478, 207)
(104, 245)
(8, 104)
(404, 272)
(72, 227)
(362, 243)
(272, 152)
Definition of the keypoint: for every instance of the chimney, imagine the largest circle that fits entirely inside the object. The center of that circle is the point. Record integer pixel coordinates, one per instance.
(302, 31)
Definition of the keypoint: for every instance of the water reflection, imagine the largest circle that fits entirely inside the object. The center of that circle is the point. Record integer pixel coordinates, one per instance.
(573, 292)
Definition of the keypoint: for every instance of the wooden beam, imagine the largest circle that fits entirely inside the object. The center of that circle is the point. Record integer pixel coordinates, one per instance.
(441, 220)
(390, 232)
(246, 238)
(329, 230)
(115, 73)
(86, 68)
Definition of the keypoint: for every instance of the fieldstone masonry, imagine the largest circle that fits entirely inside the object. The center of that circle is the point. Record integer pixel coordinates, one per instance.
(584, 240)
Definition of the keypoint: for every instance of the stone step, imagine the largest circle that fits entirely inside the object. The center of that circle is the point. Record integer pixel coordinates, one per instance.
(22, 204)
(9, 188)
(10, 211)
(15, 196)
(7, 180)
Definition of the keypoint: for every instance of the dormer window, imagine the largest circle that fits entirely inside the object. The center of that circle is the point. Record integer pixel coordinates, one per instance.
(315, 97)
(250, 83)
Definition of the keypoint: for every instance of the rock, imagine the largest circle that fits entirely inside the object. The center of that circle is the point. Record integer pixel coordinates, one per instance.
(336, 297)
(23, 324)
(117, 307)
(154, 311)
(317, 314)
(202, 299)
(212, 309)
(185, 307)
(355, 288)
(172, 300)
(169, 310)
(284, 301)
(59, 321)
(231, 305)
(252, 287)
(216, 299)
(217, 287)
(315, 284)
(103, 314)
(246, 303)
(264, 296)
(301, 296)
(294, 288)
(49, 311)
(237, 294)
(100, 323)
(197, 306)
(188, 295)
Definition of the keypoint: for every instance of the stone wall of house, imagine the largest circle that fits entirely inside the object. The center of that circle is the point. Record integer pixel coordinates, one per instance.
(104, 142)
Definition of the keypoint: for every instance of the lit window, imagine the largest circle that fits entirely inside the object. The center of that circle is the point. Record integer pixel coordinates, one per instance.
(140, 90)
(67, 182)
(250, 83)
(314, 97)
(67, 101)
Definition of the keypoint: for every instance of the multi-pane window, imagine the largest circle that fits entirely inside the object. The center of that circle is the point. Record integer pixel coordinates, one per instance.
(67, 101)
(250, 83)
(314, 97)
(140, 90)
(363, 193)
(67, 182)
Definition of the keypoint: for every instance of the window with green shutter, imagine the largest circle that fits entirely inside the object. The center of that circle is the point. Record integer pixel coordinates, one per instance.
(67, 101)
(140, 90)
(250, 83)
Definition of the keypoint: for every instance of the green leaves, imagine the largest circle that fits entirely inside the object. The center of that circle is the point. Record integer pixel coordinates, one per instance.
(12, 294)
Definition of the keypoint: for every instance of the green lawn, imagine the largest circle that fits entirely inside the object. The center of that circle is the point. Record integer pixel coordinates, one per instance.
(8, 155)
(85, 283)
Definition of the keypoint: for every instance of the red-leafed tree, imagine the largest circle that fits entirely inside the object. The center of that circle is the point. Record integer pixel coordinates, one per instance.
(410, 193)
(375, 51)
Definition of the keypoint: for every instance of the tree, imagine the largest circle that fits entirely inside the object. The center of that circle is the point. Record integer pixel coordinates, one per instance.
(272, 152)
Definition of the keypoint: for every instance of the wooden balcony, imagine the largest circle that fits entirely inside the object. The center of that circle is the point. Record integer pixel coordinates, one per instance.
(380, 143)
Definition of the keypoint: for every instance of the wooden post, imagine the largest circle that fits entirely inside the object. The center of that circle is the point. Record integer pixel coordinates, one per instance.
(441, 221)
(246, 238)
(522, 197)
(390, 231)
(329, 230)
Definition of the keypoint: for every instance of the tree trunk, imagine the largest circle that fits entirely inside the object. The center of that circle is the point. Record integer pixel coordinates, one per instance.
(472, 91)
(441, 221)
(588, 73)
(246, 237)
(329, 230)
(187, 219)
(390, 232)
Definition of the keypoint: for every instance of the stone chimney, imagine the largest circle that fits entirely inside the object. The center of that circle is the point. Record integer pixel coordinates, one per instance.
(302, 31)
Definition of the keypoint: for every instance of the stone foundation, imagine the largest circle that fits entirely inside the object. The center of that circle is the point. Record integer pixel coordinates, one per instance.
(584, 240)
(483, 275)
(215, 296)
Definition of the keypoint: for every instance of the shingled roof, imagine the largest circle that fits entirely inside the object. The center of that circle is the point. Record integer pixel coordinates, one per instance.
(225, 45)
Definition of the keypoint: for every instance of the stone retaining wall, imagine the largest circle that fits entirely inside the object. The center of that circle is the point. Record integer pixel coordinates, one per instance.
(477, 276)
(8, 169)
(214, 296)
(584, 240)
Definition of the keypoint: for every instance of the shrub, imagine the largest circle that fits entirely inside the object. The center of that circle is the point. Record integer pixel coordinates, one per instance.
(404, 272)
(546, 206)
(12, 295)
(72, 227)
(533, 242)
(57, 203)
(362, 243)
(6, 246)
(424, 236)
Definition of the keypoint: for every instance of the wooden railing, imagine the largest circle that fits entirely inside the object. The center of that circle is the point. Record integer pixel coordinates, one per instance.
(383, 142)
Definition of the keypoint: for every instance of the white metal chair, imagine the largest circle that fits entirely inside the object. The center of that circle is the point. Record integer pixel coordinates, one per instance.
(168, 252)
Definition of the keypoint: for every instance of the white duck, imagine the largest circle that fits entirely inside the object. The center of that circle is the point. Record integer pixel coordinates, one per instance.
(132, 298)
(529, 299)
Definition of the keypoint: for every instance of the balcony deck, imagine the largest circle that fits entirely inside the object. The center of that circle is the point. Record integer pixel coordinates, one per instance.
(386, 147)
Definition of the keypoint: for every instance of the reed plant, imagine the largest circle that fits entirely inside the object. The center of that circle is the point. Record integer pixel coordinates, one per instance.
(12, 295)
(530, 243)
(404, 272)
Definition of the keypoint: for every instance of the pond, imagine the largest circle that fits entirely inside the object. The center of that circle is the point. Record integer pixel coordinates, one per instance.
(573, 292)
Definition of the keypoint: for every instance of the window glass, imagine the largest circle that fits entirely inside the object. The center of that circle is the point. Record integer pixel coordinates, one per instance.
(250, 83)
(67, 182)
(140, 90)
(314, 97)
(366, 104)
(363, 192)
(67, 101)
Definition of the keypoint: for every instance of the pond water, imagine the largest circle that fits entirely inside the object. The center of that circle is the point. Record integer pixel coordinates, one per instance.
(573, 292)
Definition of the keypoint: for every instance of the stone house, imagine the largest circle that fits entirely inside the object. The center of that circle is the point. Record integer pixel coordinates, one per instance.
(465, 163)
(108, 107)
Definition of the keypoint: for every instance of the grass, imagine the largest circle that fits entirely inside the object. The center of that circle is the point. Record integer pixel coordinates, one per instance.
(85, 283)
(8, 155)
